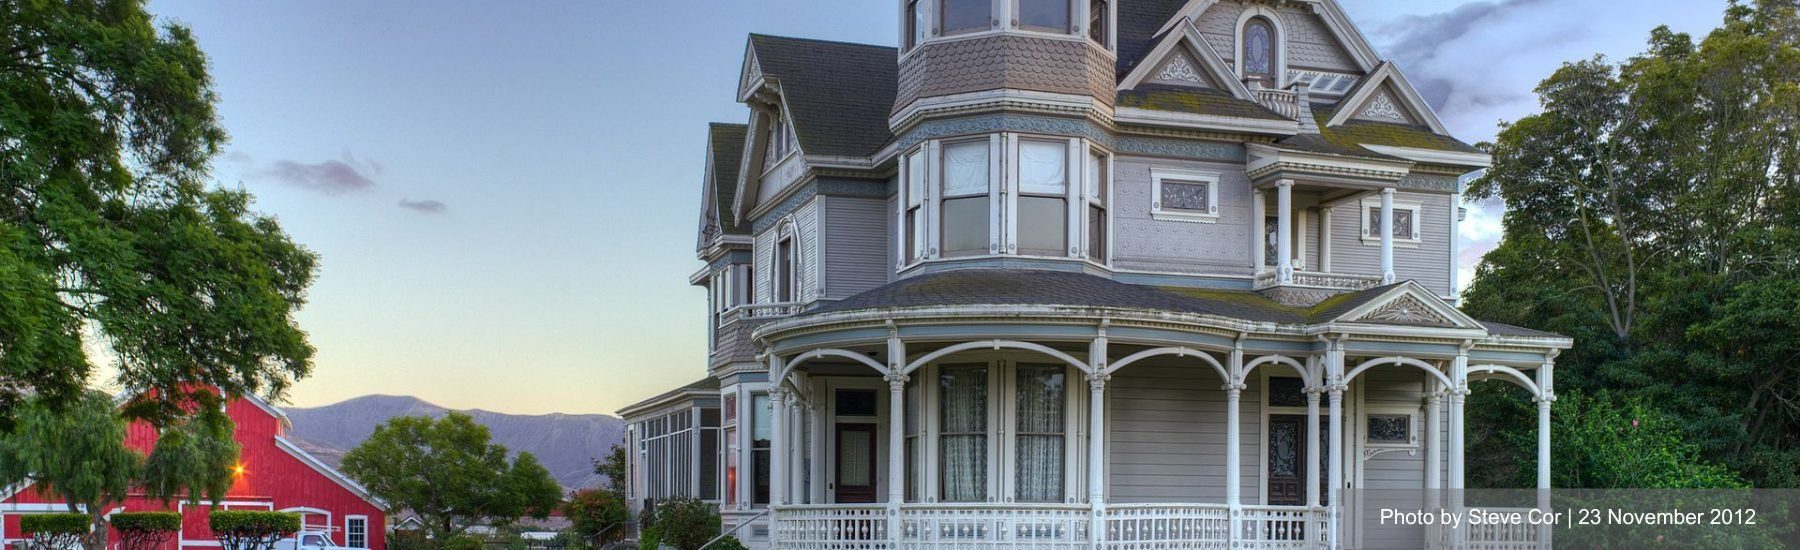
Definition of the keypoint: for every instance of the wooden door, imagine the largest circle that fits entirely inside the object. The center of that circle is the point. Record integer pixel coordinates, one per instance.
(1287, 460)
(855, 463)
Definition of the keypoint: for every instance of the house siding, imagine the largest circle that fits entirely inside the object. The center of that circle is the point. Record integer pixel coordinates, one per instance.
(1143, 243)
(1426, 261)
(1391, 389)
(1166, 434)
(856, 252)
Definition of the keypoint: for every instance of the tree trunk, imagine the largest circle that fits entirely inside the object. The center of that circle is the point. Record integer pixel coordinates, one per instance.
(101, 528)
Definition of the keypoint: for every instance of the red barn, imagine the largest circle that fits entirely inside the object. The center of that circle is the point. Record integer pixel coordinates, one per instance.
(274, 474)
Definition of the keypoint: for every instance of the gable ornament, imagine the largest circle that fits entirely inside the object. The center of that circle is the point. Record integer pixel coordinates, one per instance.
(1382, 108)
(1179, 70)
(1407, 310)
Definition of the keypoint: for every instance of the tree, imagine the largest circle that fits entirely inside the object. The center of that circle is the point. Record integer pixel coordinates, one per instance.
(448, 473)
(107, 227)
(1654, 215)
(613, 468)
(195, 458)
(78, 454)
(54, 530)
(594, 512)
(251, 529)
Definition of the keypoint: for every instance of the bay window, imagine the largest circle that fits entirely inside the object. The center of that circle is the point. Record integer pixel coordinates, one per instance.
(1044, 15)
(964, 16)
(1043, 197)
(1094, 188)
(991, 431)
(965, 208)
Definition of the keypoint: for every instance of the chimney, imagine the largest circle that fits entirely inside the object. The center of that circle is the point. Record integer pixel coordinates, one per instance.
(1303, 100)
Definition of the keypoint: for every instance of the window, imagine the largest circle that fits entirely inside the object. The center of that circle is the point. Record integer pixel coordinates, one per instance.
(915, 211)
(1044, 15)
(729, 408)
(855, 402)
(1098, 21)
(1259, 55)
(784, 270)
(1043, 214)
(781, 141)
(915, 25)
(1389, 429)
(913, 433)
(1406, 221)
(963, 433)
(962, 16)
(356, 531)
(1094, 193)
(709, 454)
(1039, 394)
(761, 430)
(1185, 196)
(965, 198)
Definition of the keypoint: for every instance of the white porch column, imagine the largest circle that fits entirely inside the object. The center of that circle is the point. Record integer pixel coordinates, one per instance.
(1459, 377)
(1312, 444)
(1258, 240)
(1325, 239)
(1284, 231)
(778, 442)
(1434, 465)
(817, 465)
(796, 448)
(1097, 437)
(1334, 369)
(896, 480)
(1387, 235)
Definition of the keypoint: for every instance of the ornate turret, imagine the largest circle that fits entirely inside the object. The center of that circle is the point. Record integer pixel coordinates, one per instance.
(1035, 55)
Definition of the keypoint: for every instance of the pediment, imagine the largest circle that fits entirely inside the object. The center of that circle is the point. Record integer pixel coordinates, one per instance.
(1181, 69)
(1408, 304)
(1183, 57)
(1386, 96)
(1385, 106)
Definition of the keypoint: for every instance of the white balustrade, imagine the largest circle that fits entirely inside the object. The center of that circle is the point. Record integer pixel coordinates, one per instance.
(1159, 526)
(1320, 279)
(1501, 537)
(1052, 526)
(831, 526)
(1283, 102)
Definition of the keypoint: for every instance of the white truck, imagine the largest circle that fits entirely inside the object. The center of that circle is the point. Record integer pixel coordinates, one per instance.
(306, 540)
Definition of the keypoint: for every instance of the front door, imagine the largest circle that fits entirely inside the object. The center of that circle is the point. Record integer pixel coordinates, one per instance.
(855, 463)
(1287, 460)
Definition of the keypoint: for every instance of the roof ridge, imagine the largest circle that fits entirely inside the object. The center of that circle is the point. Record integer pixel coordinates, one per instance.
(823, 41)
(727, 125)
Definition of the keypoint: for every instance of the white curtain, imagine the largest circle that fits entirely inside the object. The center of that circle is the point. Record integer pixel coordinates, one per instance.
(963, 427)
(965, 168)
(1043, 167)
(1040, 433)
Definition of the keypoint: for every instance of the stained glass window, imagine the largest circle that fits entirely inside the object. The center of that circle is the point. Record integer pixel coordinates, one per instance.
(1185, 196)
(1286, 392)
(1390, 428)
(1259, 48)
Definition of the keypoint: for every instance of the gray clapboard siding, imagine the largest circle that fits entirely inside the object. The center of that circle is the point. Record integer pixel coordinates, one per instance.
(806, 224)
(856, 252)
(1427, 261)
(1166, 434)
(1147, 244)
(1392, 388)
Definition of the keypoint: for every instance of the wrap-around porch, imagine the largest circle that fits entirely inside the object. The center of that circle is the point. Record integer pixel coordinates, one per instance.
(963, 430)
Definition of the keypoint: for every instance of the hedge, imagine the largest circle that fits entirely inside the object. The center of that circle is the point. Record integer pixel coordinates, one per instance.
(56, 524)
(149, 522)
(253, 523)
(463, 542)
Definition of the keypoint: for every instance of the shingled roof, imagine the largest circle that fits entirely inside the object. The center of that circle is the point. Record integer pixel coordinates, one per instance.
(1194, 101)
(991, 287)
(1137, 26)
(838, 93)
(726, 141)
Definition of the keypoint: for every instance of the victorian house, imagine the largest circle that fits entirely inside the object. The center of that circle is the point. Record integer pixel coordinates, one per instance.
(1082, 274)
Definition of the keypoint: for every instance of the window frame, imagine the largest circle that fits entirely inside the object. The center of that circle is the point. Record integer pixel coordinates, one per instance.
(1418, 224)
(1190, 177)
(1070, 26)
(1102, 200)
(914, 238)
(1413, 426)
(939, 29)
(1105, 40)
(1070, 192)
(940, 169)
(348, 543)
(1002, 418)
(1278, 64)
(784, 282)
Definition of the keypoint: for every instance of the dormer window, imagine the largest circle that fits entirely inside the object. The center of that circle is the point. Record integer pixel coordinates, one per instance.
(1044, 15)
(964, 16)
(781, 141)
(1259, 55)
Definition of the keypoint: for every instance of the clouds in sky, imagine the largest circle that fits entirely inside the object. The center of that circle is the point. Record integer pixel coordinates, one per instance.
(344, 176)
(1478, 63)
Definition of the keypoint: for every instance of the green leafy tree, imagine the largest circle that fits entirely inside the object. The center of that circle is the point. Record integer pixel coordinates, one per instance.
(195, 458)
(1654, 215)
(108, 228)
(448, 472)
(251, 529)
(594, 512)
(77, 453)
(612, 466)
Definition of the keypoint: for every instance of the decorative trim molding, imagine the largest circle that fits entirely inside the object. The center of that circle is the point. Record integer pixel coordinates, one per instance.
(1407, 310)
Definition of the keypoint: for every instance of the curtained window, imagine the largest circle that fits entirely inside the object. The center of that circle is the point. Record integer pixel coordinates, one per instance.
(963, 433)
(965, 206)
(1094, 193)
(1039, 414)
(1043, 197)
(761, 430)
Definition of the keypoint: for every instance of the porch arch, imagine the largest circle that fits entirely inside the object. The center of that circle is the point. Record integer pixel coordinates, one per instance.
(1398, 360)
(787, 368)
(1509, 374)
(1179, 351)
(1305, 375)
(994, 344)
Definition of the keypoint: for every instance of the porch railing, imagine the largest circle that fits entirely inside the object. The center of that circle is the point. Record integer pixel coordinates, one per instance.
(1158, 526)
(1499, 537)
(1345, 281)
(1052, 526)
(1283, 102)
(1047, 526)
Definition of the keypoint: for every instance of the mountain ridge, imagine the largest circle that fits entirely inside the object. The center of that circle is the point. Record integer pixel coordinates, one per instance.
(565, 443)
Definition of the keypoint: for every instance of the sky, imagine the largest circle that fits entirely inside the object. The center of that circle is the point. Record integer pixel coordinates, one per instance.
(505, 194)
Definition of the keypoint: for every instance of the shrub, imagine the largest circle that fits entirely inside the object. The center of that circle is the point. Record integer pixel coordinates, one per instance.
(251, 530)
(651, 539)
(728, 543)
(63, 530)
(408, 539)
(686, 523)
(463, 542)
(145, 530)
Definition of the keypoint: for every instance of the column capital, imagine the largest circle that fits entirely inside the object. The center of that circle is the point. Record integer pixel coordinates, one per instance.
(896, 380)
(1284, 182)
(1433, 398)
(1098, 379)
(1387, 190)
(1234, 388)
(778, 395)
(1546, 399)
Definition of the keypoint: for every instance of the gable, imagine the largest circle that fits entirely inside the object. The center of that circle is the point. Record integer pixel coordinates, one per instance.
(1386, 96)
(1384, 106)
(1186, 59)
(1317, 34)
(1180, 68)
(1406, 303)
